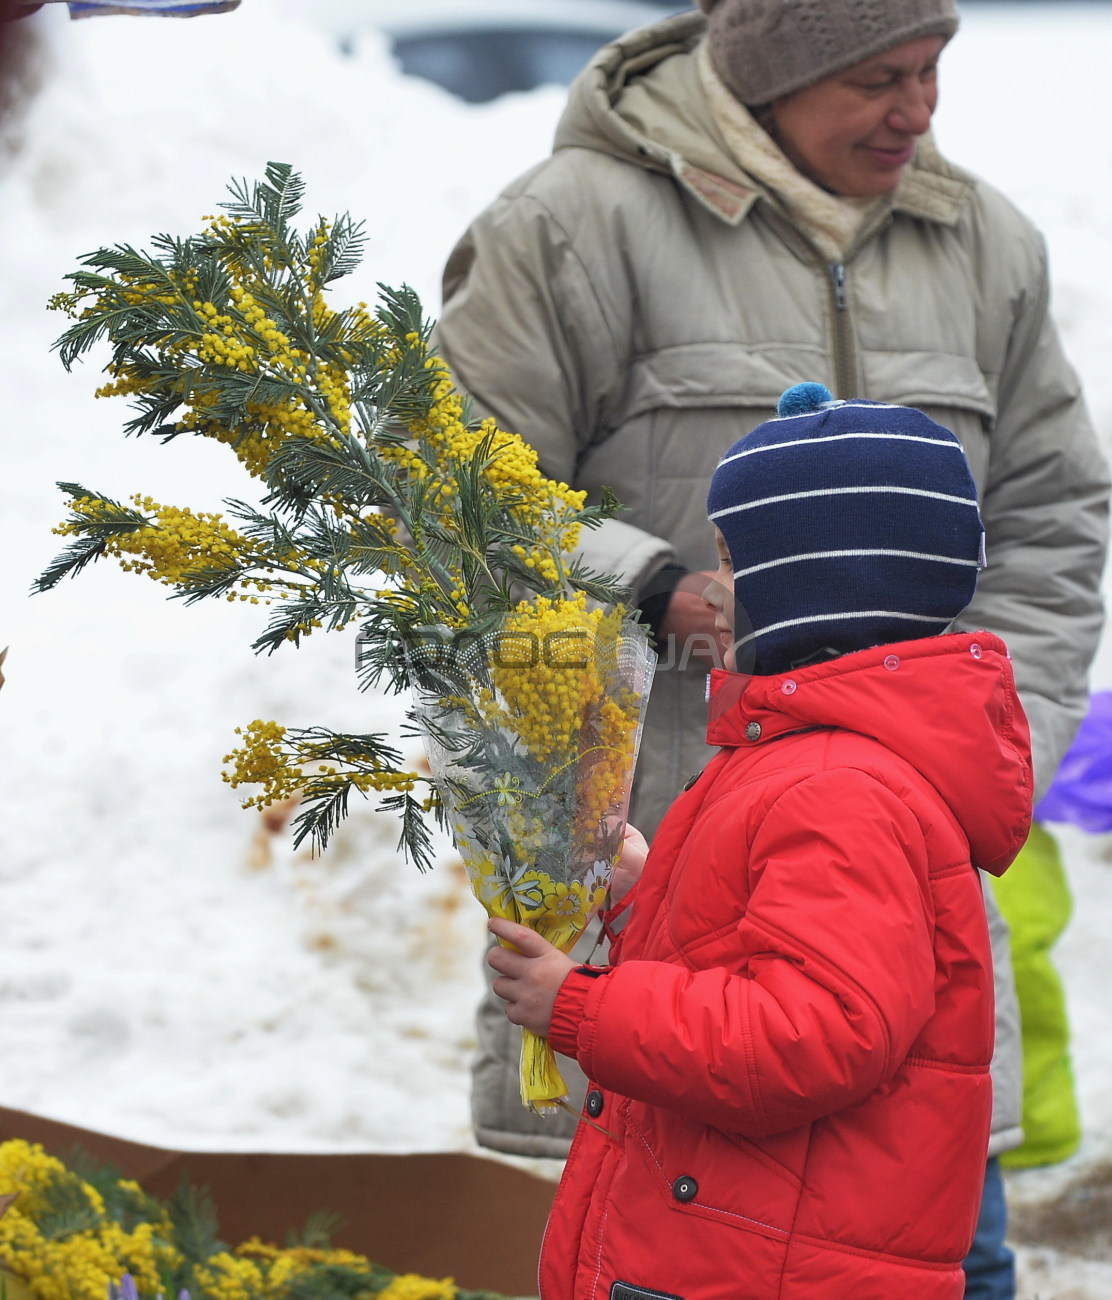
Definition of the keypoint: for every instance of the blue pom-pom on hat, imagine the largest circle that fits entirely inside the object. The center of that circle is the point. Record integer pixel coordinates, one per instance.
(801, 399)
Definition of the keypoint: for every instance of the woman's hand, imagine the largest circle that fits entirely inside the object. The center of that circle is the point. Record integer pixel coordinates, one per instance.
(689, 621)
(630, 864)
(528, 979)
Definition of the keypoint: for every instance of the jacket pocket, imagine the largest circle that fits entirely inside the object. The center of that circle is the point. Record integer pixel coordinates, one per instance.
(951, 389)
(706, 1173)
(942, 381)
(727, 375)
(684, 1216)
(683, 407)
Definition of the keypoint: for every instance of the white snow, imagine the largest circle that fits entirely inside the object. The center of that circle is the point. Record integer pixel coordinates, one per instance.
(169, 970)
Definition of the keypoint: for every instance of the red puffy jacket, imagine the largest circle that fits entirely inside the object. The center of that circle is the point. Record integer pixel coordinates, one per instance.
(790, 1094)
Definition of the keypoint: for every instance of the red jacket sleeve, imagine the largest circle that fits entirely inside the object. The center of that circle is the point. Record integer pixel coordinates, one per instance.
(834, 981)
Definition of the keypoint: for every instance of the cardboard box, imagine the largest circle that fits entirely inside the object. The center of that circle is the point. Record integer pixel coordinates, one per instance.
(442, 1215)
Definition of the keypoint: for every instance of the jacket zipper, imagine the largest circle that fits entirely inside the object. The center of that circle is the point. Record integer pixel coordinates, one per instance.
(844, 358)
(845, 369)
(845, 349)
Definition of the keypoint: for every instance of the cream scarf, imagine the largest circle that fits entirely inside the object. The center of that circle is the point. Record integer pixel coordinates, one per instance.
(831, 222)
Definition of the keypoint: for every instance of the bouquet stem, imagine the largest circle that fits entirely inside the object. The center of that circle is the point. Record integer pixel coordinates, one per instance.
(542, 1084)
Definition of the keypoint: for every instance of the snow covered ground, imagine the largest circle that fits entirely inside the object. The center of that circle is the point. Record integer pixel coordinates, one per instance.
(169, 970)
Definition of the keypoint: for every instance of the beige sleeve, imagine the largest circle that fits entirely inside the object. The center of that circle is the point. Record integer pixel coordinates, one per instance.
(524, 332)
(1045, 508)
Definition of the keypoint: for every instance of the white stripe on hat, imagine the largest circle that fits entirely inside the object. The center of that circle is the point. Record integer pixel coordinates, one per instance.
(838, 405)
(840, 615)
(844, 491)
(951, 445)
(858, 552)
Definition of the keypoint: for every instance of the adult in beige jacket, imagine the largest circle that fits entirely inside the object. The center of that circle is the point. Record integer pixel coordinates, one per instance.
(640, 300)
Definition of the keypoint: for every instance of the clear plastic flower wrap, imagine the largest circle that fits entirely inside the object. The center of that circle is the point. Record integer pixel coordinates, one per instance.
(532, 734)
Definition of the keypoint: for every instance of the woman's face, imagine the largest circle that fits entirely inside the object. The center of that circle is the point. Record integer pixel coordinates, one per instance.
(853, 133)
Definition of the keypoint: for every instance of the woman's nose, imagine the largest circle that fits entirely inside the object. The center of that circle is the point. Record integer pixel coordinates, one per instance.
(913, 112)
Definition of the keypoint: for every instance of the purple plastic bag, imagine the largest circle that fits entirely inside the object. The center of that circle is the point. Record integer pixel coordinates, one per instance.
(1081, 793)
(157, 8)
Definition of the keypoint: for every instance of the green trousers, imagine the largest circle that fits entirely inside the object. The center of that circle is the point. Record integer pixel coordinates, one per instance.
(1035, 899)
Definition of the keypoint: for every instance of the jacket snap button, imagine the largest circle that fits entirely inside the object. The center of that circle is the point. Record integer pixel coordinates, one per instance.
(892, 662)
(789, 687)
(753, 731)
(690, 782)
(975, 650)
(685, 1188)
(594, 1103)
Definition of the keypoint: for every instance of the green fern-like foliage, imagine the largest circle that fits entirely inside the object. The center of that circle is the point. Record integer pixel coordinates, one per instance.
(79, 1221)
(383, 506)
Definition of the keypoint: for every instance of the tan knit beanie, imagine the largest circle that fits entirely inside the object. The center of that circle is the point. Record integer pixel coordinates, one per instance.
(763, 49)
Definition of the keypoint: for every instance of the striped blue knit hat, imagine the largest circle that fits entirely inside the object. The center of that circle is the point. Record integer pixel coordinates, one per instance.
(849, 524)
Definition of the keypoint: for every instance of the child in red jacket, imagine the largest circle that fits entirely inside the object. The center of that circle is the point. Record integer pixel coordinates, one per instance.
(789, 1055)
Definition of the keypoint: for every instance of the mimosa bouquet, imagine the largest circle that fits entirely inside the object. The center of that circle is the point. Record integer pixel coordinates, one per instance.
(385, 508)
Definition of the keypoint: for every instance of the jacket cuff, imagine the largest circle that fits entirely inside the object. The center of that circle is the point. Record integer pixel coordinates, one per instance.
(570, 1008)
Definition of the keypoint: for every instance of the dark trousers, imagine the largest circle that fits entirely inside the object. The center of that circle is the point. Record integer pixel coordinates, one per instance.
(990, 1265)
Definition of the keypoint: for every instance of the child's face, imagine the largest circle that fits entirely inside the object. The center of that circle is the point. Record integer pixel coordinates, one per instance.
(719, 598)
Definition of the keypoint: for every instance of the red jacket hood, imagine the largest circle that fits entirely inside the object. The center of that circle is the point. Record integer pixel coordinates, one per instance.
(947, 705)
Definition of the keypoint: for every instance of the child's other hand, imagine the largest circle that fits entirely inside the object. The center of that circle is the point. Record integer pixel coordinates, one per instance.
(630, 864)
(528, 979)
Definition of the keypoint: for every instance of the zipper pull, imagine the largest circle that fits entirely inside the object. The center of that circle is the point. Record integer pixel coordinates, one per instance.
(838, 278)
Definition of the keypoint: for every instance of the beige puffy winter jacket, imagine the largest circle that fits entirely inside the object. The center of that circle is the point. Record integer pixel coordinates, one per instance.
(637, 302)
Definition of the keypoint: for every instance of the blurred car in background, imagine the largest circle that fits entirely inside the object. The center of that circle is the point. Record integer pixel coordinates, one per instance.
(480, 49)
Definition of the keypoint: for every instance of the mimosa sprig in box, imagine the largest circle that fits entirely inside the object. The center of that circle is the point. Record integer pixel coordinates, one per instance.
(384, 507)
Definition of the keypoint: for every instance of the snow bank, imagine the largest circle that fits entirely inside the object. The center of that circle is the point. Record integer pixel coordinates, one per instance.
(169, 970)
